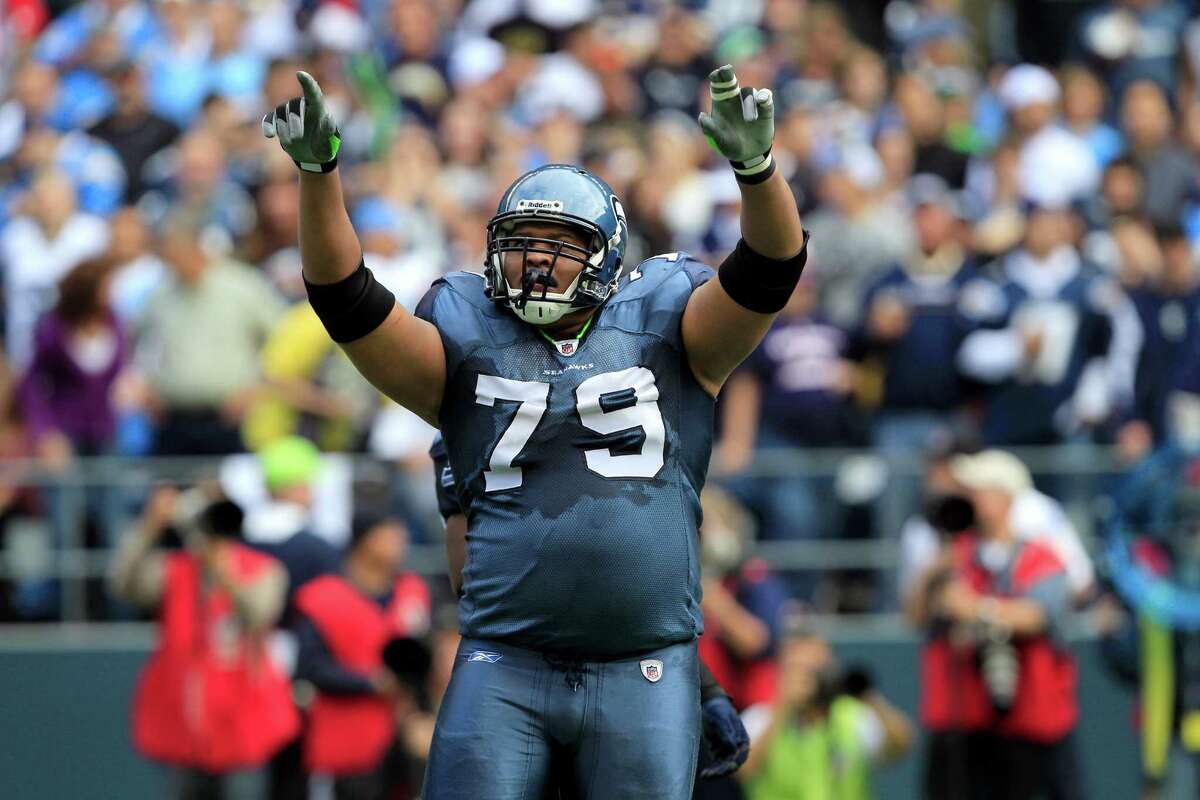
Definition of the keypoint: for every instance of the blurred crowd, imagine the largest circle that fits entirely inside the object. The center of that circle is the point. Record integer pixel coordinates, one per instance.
(1002, 199)
(1005, 214)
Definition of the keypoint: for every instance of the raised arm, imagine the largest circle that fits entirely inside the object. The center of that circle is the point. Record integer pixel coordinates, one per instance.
(399, 353)
(725, 319)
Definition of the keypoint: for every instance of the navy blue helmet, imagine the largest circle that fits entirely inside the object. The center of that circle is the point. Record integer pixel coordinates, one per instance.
(567, 195)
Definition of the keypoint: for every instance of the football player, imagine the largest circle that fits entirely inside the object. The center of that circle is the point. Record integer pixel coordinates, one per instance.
(724, 742)
(577, 411)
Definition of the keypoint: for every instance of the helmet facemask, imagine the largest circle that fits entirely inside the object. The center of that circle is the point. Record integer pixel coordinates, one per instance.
(541, 299)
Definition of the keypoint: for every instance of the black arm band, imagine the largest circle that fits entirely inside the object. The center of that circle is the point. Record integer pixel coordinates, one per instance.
(758, 283)
(709, 688)
(352, 307)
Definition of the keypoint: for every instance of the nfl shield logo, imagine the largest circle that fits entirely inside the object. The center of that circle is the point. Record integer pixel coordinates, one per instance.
(651, 669)
(566, 348)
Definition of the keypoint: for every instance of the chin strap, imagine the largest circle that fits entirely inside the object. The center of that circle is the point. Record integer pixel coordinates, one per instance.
(531, 276)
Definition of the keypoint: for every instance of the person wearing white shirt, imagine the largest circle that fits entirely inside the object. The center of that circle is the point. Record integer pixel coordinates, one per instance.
(38, 249)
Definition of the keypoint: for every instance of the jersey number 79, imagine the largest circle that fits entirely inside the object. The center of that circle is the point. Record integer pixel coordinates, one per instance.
(607, 403)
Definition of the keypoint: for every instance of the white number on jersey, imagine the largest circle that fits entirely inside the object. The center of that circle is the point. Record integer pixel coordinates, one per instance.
(502, 474)
(643, 413)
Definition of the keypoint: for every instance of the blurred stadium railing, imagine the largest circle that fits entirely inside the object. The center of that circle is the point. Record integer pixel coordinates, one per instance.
(1086, 470)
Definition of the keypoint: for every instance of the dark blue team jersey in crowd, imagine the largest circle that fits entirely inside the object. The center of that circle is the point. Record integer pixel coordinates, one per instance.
(579, 473)
(1170, 355)
(798, 364)
(920, 367)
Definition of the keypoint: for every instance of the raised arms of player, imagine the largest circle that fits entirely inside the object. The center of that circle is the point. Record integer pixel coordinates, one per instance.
(403, 356)
(725, 319)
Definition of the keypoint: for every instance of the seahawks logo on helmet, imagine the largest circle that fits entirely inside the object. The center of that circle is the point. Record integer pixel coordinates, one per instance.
(566, 195)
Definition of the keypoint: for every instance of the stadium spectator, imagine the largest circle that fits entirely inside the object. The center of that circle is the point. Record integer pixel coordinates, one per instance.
(999, 688)
(1056, 166)
(282, 527)
(37, 249)
(924, 115)
(66, 396)
(210, 704)
(370, 687)
(19, 503)
(311, 388)
(793, 391)
(1062, 363)
(917, 315)
(743, 601)
(1168, 305)
(199, 342)
(1132, 40)
(80, 349)
(1084, 105)
(1168, 170)
(819, 737)
(138, 271)
(131, 129)
(859, 233)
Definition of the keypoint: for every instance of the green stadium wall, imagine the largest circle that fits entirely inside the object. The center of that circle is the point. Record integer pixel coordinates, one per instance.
(64, 729)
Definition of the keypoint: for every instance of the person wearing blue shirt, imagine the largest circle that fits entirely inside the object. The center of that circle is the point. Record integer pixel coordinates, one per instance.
(918, 314)
(1169, 310)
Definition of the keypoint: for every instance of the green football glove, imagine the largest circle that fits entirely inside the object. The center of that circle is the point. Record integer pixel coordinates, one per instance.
(305, 128)
(741, 126)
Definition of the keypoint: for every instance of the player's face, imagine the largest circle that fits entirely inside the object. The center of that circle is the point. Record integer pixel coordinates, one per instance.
(565, 270)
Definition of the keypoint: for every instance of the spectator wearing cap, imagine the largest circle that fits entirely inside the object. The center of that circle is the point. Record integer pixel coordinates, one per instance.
(1169, 173)
(794, 391)
(1056, 166)
(821, 735)
(999, 684)
(133, 131)
(918, 314)
(1060, 361)
(199, 342)
(282, 527)
(211, 704)
(370, 687)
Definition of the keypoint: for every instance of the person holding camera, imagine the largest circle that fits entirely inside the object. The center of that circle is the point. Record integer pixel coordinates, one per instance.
(211, 703)
(823, 732)
(358, 647)
(999, 684)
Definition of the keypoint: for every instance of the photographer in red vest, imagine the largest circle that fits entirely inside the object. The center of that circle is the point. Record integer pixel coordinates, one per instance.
(1001, 668)
(210, 703)
(358, 635)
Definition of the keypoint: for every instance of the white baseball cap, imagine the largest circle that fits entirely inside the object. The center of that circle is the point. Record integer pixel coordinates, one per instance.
(1027, 84)
(992, 469)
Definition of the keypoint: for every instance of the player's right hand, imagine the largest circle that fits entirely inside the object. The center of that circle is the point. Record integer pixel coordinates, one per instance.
(305, 128)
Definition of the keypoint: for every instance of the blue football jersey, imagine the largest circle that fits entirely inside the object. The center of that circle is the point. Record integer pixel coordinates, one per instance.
(579, 465)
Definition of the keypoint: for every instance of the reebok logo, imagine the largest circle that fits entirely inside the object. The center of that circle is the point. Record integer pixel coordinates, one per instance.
(484, 655)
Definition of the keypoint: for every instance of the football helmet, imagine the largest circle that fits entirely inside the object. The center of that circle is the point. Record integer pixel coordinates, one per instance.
(565, 195)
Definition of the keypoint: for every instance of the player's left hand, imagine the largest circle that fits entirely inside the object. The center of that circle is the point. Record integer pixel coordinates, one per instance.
(741, 126)
(728, 742)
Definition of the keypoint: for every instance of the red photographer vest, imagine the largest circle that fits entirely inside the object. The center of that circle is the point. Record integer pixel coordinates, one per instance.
(954, 696)
(350, 734)
(210, 696)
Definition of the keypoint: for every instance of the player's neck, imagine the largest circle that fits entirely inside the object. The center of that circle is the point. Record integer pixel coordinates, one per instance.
(570, 326)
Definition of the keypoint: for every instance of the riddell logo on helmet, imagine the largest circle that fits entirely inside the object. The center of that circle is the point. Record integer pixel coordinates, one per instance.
(540, 205)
